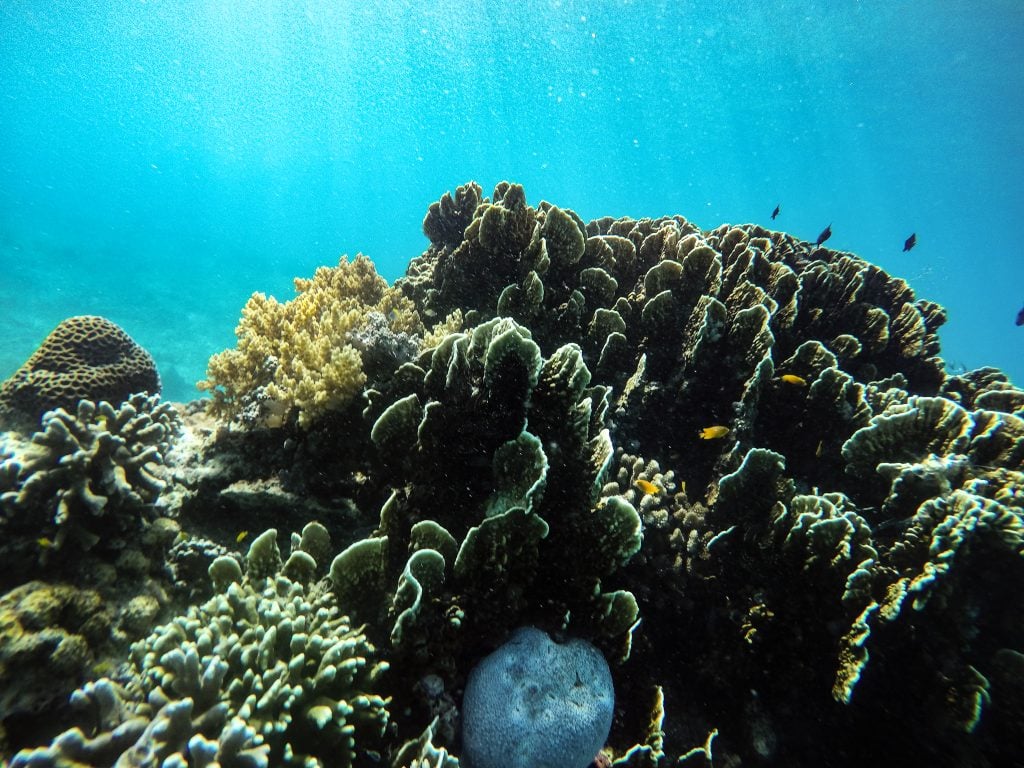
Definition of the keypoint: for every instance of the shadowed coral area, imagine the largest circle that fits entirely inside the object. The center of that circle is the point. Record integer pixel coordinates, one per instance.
(266, 672)
(730, 460)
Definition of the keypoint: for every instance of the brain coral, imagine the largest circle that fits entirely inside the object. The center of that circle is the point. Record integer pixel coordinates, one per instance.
(84, 357)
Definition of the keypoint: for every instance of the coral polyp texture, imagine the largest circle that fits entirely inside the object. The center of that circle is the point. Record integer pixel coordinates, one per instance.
(85, 479)
(266, 672)
(84, 357)
(535, 702)
(309, 356)
(729, 460)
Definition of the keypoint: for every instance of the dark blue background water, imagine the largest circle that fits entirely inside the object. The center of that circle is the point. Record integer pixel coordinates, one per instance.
(159, 161)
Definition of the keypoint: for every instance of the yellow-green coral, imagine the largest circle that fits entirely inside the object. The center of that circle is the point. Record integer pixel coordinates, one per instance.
(453, 323)
(49, 635)
(299, 354)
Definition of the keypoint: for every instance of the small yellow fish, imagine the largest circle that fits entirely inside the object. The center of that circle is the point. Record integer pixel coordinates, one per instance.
(817, 451)
(792, 378)
(241, 536)
(712, 433)
(45, 543)
(649, 488)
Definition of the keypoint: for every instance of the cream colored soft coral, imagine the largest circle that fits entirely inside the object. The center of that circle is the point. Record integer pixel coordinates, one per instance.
(297, 354)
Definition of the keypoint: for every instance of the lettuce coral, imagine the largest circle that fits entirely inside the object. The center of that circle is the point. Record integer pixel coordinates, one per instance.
(764, 552)
(302, 357)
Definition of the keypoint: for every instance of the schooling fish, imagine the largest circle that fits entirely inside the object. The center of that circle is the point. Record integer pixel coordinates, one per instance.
(910, 242)
(826, 233)
(776, 211)
(712, 433)
(649, 488)
(1020, 317)
(792, 378)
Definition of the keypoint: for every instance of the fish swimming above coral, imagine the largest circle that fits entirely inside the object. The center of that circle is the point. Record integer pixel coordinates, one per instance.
(826, 233)
(649, 488)
(910, 242)
(1020, 317)
(776, 211)
(792, 378)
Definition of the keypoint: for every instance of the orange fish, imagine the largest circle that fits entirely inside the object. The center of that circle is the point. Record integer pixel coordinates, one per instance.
(712, 433)
(649, 488)
(792, 378)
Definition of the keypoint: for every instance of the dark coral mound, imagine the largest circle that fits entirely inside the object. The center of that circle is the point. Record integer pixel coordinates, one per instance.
(849, 550)
(84, 357)
(689, 328)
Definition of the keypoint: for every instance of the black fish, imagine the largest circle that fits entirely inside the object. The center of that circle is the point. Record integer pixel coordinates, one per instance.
(825, 235)
(1020, 317)
(776, 212)
(910, 242)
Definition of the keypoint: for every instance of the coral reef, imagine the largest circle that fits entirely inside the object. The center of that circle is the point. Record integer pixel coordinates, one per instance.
(266, 672)
(730, 460)
(494, 457)
(85, 481)
(49, 638)
(535, 702)
(82, 545)
(84, 357)
(311, 355)
(818, 364)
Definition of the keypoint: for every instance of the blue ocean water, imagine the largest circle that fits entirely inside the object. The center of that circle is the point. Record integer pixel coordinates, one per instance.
(160, 161)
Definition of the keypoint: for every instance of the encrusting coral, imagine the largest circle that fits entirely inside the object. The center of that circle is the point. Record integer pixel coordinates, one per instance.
(84, 357)
(305, 357)
(729, 459)
(49, 638)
